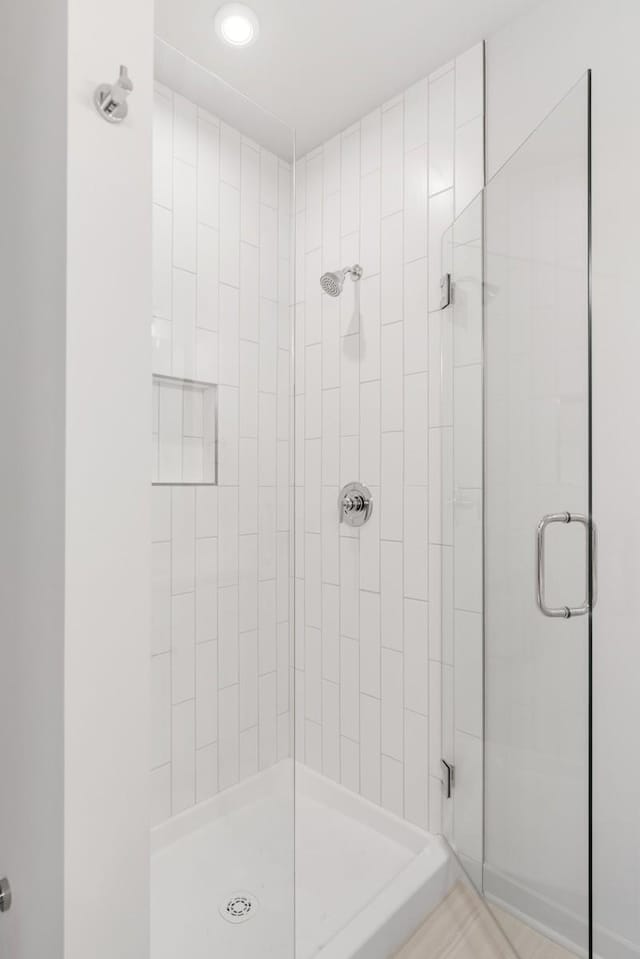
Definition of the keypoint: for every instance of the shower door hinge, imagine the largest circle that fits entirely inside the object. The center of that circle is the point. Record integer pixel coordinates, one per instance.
(445, 291)
(5, 895)
(448, 778)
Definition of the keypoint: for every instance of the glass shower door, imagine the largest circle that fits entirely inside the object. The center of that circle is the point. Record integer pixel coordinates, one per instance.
(538, 588)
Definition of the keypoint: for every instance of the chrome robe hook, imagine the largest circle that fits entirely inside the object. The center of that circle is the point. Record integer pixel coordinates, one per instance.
(111, 98)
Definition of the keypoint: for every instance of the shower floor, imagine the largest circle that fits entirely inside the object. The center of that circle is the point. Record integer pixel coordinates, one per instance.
(364, 879)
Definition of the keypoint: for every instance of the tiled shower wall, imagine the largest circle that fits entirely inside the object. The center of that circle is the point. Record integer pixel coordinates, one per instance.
(369, 406)
(461, 451)
(220, 656)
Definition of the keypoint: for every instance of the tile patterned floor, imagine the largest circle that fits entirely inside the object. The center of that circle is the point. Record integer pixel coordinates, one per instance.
(462, 927)
(528, 943)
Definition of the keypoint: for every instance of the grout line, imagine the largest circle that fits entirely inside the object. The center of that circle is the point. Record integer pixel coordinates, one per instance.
(218, 495)
(303, 490)
(380, 451)
(171, 492)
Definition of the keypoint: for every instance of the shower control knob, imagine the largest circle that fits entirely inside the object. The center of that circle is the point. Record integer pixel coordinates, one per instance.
(355, 504)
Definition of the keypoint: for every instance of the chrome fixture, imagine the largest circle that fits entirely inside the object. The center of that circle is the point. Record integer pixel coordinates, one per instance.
(565, 612)
(448, 778)
(332, 283)
(355, 504)
(445, 291)
(111, 98)
(5, 895)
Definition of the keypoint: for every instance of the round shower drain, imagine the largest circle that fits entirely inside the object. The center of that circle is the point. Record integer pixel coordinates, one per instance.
(239, 907)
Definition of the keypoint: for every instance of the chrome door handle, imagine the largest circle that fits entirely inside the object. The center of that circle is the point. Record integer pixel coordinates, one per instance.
(566, 612)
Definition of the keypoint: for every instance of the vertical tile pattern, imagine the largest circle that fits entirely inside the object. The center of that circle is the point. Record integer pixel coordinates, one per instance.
(455, 444)
(375, 637)
(367, 669)
(220, 571)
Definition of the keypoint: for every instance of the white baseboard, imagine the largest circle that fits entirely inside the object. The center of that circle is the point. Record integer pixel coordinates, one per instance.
(560, 925)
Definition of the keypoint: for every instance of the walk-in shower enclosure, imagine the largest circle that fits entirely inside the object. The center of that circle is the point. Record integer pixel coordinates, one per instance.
(332, 456)
(360, 691)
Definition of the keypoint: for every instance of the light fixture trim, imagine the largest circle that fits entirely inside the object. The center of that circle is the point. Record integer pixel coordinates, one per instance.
(237, 24)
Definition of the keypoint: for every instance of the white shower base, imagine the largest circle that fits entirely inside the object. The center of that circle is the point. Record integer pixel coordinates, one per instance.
(365, 879)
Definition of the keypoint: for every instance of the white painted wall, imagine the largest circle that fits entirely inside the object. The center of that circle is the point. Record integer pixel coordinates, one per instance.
(75, 273)
(530, 66)
(33, 41)
(107, 530)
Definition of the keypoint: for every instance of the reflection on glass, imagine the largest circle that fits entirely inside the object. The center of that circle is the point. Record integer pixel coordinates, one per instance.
(537, 458)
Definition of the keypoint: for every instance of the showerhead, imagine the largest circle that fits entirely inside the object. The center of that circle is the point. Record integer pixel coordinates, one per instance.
(332, 283)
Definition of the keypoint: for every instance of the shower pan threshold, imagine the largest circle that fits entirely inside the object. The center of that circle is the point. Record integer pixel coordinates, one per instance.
(364, 878)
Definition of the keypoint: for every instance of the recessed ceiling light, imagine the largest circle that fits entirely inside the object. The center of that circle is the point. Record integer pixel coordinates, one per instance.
(237, 24)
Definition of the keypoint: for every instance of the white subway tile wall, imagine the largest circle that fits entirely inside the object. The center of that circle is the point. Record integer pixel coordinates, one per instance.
(377, 654)
(374, 607)
(220, 555)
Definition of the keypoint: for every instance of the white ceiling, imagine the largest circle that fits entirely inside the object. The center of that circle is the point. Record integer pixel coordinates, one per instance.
(319, 65)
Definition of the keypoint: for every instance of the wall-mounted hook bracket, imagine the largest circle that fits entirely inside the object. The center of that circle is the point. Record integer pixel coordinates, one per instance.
(111, 98)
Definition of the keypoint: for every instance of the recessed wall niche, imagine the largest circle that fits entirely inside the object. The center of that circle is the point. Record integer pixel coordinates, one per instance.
(185, 433)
